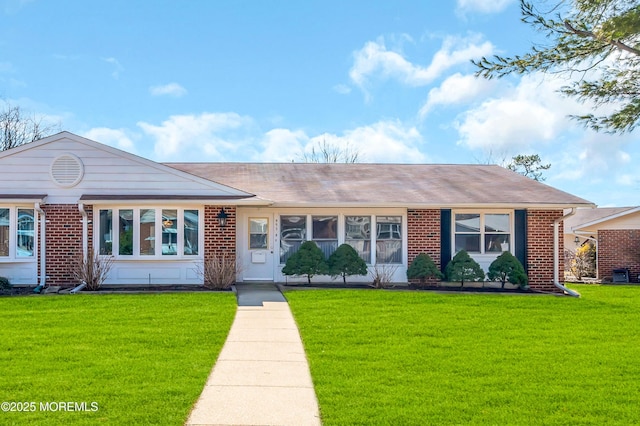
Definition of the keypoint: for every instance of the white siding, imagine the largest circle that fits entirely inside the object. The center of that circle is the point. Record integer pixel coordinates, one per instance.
(106, 171)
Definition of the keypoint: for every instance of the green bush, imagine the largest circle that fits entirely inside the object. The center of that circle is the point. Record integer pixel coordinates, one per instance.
(423, 267)
(346, 261)
(5, 284)
(508, 268)
(463, 268)
(308, 260)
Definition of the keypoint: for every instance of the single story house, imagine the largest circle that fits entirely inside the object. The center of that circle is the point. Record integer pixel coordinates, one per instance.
(64, 194)
(616, 234)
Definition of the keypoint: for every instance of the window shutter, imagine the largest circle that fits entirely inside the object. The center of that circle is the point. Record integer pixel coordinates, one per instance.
(520, 220)
(445, 238)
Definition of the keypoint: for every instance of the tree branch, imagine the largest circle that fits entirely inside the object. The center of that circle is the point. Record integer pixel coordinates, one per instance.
(588, 34)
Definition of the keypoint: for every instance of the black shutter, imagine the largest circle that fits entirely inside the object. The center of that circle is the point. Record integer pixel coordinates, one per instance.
(445, 238)
(521, 237)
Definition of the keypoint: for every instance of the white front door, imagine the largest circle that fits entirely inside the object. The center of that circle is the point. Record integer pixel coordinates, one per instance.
(256, 245)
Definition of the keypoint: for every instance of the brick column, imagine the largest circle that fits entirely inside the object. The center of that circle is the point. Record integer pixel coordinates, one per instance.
(219, 241)
(540, 249)
(423, 229)
(618, 248)
(63, 242)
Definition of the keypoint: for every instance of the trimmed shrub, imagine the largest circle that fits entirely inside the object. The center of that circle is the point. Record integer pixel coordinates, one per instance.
(5, 285)
(508, 268)
(346, 261)
(423, 267)
(463, 268)
(307, 261)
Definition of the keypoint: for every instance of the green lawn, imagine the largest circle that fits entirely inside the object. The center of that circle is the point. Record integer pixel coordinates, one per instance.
(405, 358)
(143, 359)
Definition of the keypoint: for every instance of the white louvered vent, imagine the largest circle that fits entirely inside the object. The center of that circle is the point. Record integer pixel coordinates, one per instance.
(67, 170)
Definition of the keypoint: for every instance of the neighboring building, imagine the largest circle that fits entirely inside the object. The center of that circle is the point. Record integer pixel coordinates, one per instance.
(616, 233)
(64, 194)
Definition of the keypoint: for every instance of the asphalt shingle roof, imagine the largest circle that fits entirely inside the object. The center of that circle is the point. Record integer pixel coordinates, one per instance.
(437, 185)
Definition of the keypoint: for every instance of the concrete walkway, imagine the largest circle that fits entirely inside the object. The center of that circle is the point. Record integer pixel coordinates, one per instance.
(261, 376)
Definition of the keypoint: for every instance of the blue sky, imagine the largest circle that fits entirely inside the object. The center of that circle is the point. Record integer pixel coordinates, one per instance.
(267, 80)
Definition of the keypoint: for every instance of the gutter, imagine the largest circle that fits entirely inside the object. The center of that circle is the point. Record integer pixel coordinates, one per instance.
(556, 255)
(43, 245)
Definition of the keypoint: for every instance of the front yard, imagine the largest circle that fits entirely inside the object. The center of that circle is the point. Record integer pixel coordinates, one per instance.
(391, 357)
(108, 359)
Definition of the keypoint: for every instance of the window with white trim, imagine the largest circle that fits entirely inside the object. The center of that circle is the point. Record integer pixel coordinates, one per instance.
(325, 233)
(357, 233)
(389, 239)
(482, 232)
(148, 232)
(17, 232)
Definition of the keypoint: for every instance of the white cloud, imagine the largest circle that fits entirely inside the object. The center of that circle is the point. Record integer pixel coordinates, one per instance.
(117, 67)
(456, 89)
(116, 138)
(279, 145)
(217, 135)
(374, 60)
(171, 89)
(381, 142)
(482, 6)
(528, 114)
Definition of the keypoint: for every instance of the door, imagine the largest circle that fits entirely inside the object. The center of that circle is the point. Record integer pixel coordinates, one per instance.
(258, 249)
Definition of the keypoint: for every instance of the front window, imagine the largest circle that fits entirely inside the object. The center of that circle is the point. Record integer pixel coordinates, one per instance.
(26, 233)
(17, 232)
(4, 232)
(325, 233)
(482, 232)
(293, 232)
(357, 231)
(169, 232)
(389, 239)
(148, 232)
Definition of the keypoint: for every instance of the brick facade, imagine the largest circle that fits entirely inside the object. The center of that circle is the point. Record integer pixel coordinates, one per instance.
(423, 228)
(63, 242)
(219, 241)
(618, 248)
(540, 249)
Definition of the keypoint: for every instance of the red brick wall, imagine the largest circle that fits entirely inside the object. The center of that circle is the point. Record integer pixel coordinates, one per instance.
(540, 249)
(219, 241)
(424, 234)
(618, 248)
(63, 242)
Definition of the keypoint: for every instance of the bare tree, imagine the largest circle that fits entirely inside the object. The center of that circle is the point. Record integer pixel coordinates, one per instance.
(16, 128)
(325, 152)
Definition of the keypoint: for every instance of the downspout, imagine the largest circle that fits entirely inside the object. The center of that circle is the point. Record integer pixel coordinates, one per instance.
(43, 247)
(556, 254)
(85, 231)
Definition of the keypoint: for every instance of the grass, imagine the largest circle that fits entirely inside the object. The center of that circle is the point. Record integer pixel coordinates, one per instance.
(143, 358)
(391, 357)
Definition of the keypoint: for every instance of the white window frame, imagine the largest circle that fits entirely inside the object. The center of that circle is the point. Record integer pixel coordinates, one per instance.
(341, 215)
(482, 232)
(158, 209)
(13, 234)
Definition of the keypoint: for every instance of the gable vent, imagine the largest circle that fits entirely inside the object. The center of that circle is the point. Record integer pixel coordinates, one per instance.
(67, 170)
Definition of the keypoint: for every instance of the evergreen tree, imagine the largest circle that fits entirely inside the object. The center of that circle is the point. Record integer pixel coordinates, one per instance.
(346, 261)
(423, 267)
(508, 268)
(308, 260)
(463, 268)
(594, 43)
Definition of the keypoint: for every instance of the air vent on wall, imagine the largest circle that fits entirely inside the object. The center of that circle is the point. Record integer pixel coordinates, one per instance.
(67, 170)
